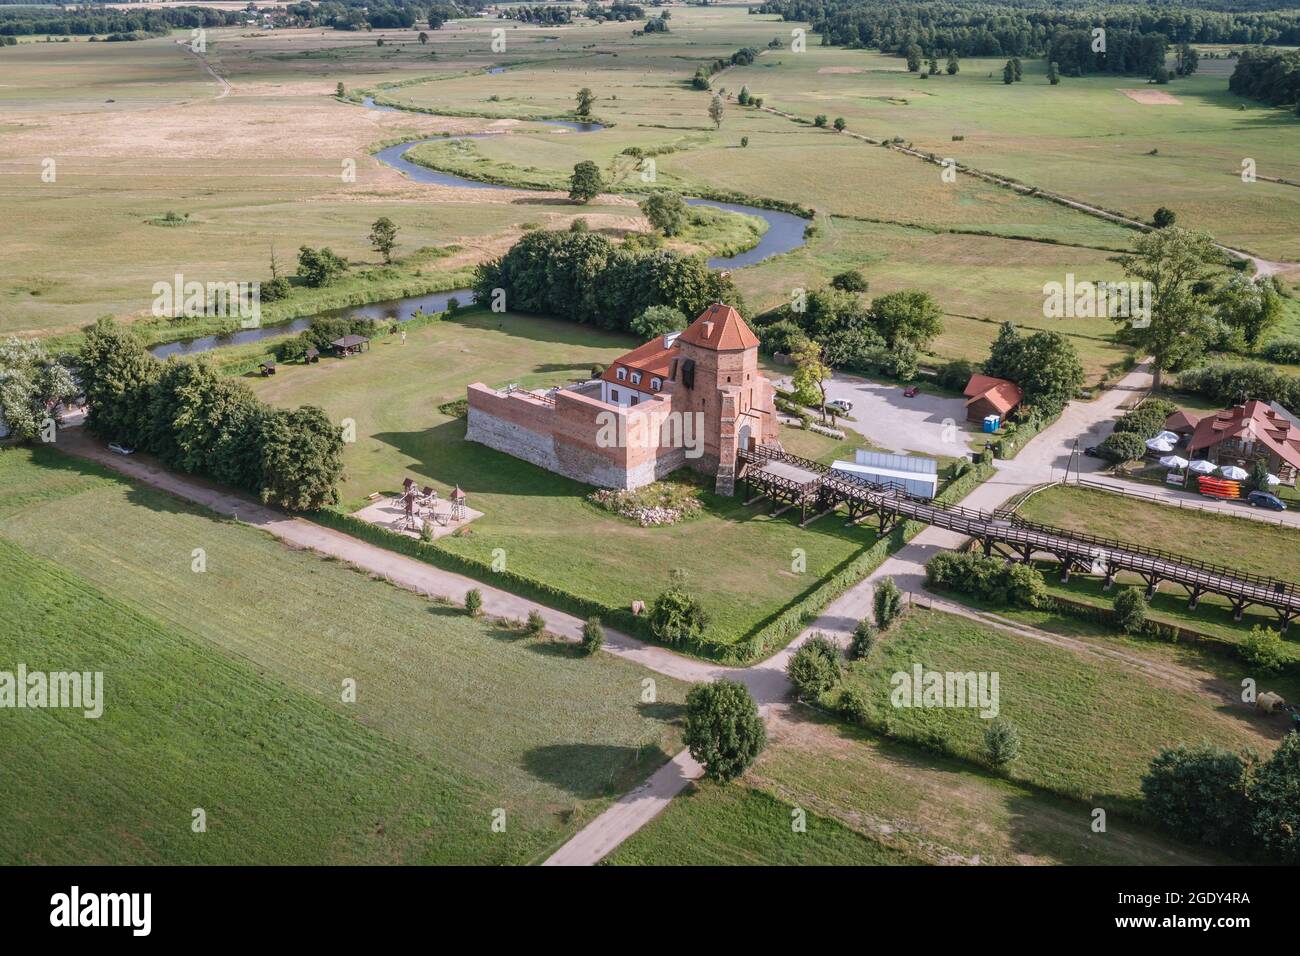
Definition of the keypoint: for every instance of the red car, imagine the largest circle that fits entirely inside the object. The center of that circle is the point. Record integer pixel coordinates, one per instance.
(911, 391)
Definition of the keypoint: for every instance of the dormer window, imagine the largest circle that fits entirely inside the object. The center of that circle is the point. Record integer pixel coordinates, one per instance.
(621, 374)
(636, 378)
(656, 384)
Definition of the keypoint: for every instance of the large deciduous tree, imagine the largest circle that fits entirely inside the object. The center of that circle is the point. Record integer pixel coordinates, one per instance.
(910, 316)
(1044, 364)
(723, 729)
(383, 237)
(666, 210)
(1250, 308)
(301, 458)
(31, 384)
(1177, 263)
(585, 184)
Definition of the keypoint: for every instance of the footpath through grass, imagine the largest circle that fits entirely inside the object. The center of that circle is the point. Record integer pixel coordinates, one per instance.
(223, 691)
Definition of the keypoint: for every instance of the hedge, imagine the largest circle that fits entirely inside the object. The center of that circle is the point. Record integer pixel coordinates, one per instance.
(787, 625)
(763, 640)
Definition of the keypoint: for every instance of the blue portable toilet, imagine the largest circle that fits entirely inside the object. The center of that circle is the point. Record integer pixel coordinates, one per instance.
(991, 423)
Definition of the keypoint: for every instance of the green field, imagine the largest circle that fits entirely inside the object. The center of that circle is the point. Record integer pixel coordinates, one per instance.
(737, 559)
(1251, 546)
(903, 805)
(223, 691)
(262, 166)
(1089, 724)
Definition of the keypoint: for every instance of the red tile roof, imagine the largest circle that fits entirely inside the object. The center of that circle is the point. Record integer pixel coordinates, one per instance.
(1254, 420)
(720, 327)
(653, 359)
(1181, 420)
(1000, 393)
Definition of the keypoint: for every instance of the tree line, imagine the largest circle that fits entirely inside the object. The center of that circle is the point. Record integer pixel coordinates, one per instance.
(1029, 28)
(84, 21)
(198, 421)
(1271, 76)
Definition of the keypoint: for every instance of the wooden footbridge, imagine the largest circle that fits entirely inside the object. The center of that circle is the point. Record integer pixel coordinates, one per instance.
(793, 482)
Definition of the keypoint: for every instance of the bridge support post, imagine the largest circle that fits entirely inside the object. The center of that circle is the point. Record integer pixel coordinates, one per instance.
(1065, 571)
(988, 547)
(1108, 581)
(1237, 608)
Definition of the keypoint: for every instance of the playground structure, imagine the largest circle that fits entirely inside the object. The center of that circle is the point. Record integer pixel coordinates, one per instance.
(793, 482)
(419, 511)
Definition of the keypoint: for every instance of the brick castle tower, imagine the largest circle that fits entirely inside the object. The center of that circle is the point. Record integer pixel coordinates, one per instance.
(718, 377)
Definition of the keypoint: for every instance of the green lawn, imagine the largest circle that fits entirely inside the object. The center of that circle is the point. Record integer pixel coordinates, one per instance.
(223, 691)
(872, 800)
(712, 825)
(738, 559)
(1250, 546)
(1089, 725)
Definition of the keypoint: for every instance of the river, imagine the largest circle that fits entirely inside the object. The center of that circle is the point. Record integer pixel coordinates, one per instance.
(785, 231)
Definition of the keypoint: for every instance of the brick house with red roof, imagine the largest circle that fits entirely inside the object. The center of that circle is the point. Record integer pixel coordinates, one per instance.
(1246, 433)
(687, 399)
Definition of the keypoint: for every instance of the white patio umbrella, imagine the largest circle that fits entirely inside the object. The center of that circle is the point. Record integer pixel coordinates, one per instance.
(1201, 466)
(1272, 479)
(1168, 436)
(1173, 461)
(1233, 473)
(1159, 444)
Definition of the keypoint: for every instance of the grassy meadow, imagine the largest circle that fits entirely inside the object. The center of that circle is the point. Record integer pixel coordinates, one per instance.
(1251, 546)
(901, 805)
(223, 691)
(1089, 724)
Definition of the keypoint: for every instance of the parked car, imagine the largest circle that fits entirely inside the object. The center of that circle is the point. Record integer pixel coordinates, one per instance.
(1091, 451)
(120, 448)
(839, 406)
(911, 390)
(1262, 499)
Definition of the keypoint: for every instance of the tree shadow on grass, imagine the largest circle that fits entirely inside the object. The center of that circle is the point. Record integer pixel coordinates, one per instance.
(443, 454)
(663, 710)
(593, 770)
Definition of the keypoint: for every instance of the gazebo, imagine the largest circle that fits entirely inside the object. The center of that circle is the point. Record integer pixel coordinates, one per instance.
(267, 368)
(457, 504)
(311, 355)
(350, 345)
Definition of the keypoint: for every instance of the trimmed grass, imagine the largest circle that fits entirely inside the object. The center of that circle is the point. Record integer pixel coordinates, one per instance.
(738, 559)
(900, 804)
(738, 825)
(223, 691)
(1250, 546)
(1247, 545)
(1089, 725)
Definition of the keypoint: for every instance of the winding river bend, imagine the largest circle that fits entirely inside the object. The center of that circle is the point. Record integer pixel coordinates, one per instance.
(785, 231)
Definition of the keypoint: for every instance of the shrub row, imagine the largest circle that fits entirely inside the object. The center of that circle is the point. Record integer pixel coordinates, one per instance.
(1228, 384)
